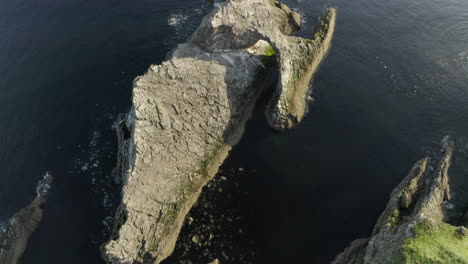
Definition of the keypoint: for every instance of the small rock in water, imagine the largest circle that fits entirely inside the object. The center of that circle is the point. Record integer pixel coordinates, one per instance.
(196, 239)
(215, 261)
(190, 220)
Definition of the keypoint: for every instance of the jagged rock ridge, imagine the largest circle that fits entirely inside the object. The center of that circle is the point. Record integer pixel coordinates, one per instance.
(414, 227)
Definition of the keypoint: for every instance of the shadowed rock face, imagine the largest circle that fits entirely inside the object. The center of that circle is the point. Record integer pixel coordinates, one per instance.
(14, 238)
(413, 228)
(187, 114)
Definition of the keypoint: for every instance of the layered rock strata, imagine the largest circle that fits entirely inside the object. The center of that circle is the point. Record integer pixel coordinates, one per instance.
(15, 235)
(413, 228)
(189, 111)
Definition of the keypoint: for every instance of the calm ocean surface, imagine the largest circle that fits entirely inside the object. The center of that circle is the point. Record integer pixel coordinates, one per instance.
(394, 84)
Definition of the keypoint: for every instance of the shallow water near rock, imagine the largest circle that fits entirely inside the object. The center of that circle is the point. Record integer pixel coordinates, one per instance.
(393, 85)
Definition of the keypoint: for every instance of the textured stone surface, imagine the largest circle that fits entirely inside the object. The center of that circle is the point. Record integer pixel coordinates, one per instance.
(417, 201)
(240, 23)
(187, 113)
(14, 238)
(181, 127)
(301, 59)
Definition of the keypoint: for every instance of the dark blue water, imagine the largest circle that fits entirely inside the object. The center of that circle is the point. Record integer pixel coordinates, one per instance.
(394, 84)
(67, 69)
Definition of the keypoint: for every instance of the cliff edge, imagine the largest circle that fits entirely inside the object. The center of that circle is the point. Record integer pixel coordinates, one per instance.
(415, 228)
(187, 114)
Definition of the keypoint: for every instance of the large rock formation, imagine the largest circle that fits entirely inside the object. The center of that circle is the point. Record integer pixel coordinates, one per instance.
(189, 111)
(15, 235)
(413, 228)
(239, 24)
(288, 105)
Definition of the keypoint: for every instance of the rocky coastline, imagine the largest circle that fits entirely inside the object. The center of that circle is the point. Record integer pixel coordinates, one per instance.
(416, 226)
(191, 110)
(15, 235)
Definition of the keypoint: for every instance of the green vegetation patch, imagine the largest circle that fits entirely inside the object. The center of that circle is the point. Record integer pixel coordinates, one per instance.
(269, 51)
(393, 218)
(268, 57)
(434, 244)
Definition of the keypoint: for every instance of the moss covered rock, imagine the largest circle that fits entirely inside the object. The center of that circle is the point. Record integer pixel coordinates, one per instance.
(414, 227)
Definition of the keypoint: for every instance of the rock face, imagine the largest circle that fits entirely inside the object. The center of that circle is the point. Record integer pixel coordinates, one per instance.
(189, 111)
(289, 105)
(14, 238)
(413, 228)
(239, 24)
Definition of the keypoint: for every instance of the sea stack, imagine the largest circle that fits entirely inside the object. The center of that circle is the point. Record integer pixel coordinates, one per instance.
(189, 111)
(415, 226)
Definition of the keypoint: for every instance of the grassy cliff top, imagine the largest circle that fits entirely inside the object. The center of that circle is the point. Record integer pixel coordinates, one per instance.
(440, 243)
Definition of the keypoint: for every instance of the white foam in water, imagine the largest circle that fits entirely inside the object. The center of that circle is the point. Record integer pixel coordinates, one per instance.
(95, 138)
(42, 186)
(448, 205)
(84, 167)
(3, 227)
(105, 199)
(176, 19)
(91, 163)
(445, 141)
(180, 21)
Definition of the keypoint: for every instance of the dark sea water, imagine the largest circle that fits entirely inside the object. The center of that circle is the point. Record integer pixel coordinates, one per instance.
(394, 84)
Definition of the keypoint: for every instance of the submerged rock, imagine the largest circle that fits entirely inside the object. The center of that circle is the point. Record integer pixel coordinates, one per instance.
(189, 111)
(14, 237)
(414, 226)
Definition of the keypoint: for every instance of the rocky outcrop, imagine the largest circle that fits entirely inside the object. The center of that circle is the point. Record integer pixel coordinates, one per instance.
(15, 235)
(240, 23)
(187, 114)
(288, 105)
(413, 228)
